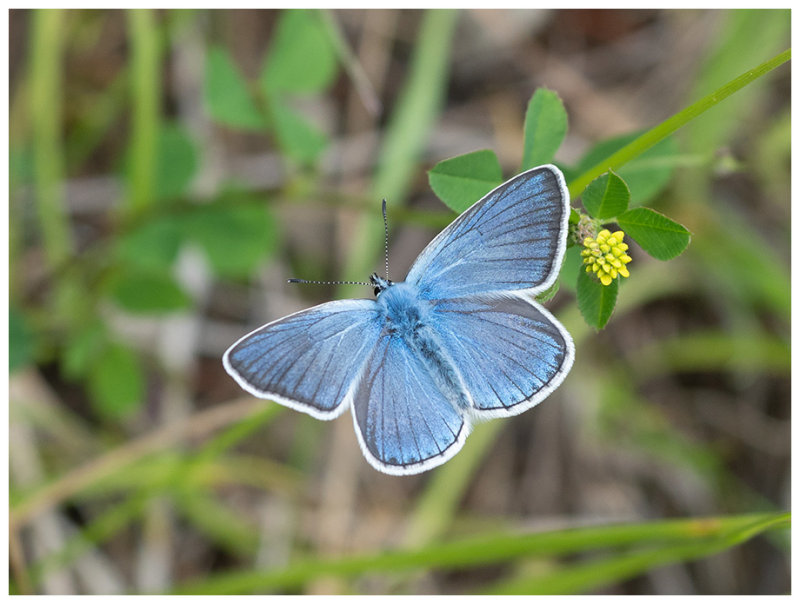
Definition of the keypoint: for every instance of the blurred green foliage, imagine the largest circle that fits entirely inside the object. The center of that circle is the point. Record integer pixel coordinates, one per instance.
(286, 71)
(60, 318)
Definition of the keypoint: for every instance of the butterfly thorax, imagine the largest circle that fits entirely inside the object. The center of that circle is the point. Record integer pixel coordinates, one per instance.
(404, 311)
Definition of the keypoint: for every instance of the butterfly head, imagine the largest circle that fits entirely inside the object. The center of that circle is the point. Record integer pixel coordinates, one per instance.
(379, 283)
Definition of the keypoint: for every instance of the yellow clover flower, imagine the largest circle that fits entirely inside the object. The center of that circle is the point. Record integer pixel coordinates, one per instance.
(605, 256)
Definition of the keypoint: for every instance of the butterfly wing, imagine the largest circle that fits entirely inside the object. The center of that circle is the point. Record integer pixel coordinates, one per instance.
(403, 422)
(512, 239)
(510, 352)
(310, 360)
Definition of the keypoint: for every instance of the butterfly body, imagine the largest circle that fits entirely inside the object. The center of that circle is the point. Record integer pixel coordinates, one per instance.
(460, 340)
(408, 320)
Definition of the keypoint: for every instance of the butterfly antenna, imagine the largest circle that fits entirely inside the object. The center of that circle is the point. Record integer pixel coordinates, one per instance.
(328, 282)
(386, 256)
(386, 239)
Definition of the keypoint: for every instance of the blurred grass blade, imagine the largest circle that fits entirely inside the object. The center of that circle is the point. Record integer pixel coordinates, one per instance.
(739, 353)
(500, 547)
(117, 459)
(100, 529)
(237, 432)
(579, 578)
(351, 64)
(744, 37)
(67, 301)
(436, 506)
(233, 532)
(46, 88)
(761, 279)
(462, 180)
(407, 134)
(645, 175)
(145, 95)
(670, 125)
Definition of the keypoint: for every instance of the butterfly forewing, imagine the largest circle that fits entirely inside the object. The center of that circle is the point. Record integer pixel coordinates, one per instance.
(308, 360)
(512, 239)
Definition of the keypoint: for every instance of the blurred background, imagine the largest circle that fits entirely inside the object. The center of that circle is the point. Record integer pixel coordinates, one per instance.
(168, 170)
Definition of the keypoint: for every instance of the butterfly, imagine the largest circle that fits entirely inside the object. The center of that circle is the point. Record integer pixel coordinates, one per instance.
(460, 340)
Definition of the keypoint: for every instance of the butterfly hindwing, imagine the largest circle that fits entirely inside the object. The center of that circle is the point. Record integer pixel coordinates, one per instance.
(309, 360)
(510, 352)
(404, 423)
(511, 239)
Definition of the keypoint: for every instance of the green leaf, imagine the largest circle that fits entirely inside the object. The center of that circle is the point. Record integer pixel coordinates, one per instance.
(236, 232)
(595, 300)
(82, 349)
(147, 292)
(21, 342)
(659, 236)
(176, 161)
(606, 196)
(152, 245)
(545, 128)
(299, 139)
(461, 181)
(646, 175)
(115, 382)
(491, 548)
(301, 57)
(227, 95)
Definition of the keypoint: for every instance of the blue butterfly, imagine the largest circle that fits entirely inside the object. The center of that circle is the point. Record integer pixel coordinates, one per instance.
(460, 340)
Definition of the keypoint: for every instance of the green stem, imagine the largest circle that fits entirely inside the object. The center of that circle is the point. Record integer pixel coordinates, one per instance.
(667, 127)
(45, 96)
(611, 569)
(144, 107)
(499, 547)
